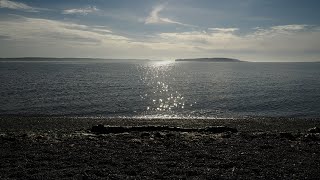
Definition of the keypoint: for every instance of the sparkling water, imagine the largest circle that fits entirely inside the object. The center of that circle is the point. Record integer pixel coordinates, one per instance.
(159, 89)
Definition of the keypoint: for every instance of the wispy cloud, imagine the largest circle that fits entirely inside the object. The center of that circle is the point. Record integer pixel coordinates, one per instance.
(81, 11)
(155, 18)
(17, 5)
(49, 31)
(224, 30)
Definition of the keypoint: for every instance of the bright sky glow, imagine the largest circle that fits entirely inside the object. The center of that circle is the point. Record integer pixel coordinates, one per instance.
(253, 30)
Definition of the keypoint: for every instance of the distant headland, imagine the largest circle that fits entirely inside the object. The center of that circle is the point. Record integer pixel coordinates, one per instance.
(211, 60)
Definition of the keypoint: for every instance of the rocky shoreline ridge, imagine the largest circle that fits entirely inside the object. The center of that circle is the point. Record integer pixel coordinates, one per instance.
(101, 129)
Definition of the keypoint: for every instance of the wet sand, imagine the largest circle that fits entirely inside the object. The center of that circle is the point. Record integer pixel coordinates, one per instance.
(55, 148)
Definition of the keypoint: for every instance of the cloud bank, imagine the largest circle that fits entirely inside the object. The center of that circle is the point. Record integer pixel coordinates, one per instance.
(43, 37)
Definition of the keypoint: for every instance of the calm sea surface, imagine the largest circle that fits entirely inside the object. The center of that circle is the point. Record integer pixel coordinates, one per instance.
(95, 88)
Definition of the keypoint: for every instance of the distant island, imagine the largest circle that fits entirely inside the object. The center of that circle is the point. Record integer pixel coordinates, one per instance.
(211, 60)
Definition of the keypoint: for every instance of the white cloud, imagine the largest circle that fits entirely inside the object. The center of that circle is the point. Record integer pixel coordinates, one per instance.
(81, 11)
(284, 42)
(154, 17)
(17, 5)
(225, 30)
(293, 27)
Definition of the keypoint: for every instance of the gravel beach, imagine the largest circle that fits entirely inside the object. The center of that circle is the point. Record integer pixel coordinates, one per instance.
(66, 148)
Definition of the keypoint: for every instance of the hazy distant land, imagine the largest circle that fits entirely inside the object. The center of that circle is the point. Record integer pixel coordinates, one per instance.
(66, 59)
(110, 59)
(211, 60)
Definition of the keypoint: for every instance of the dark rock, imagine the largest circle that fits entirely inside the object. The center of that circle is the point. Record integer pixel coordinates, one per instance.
(287, 136)
(9, 138)
(159, 135)
(314, 130)
(145, 134)
(266, 147)
(169, 135)
(40, 137)
(24, 135)
(226, 135)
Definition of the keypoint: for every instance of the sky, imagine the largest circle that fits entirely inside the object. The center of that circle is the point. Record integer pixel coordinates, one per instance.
(251, 30)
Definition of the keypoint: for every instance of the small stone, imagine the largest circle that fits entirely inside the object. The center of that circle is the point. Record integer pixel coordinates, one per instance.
(226, 135)
(159, 135)
(145, 135)
(138, 141)
(266, 147)
(314, 130)
(311, 137)
(169, 135)
(40, 137)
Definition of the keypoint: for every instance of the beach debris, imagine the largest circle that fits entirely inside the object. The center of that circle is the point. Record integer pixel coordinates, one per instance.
(101, 129)
(314, 130)
(220, 129)
(98, 129)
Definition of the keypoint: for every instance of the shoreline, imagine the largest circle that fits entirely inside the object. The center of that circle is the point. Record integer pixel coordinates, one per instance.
(69, 124)
(54, 148)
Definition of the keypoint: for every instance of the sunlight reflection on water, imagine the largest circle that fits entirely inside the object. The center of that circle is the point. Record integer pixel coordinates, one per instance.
(162, 96)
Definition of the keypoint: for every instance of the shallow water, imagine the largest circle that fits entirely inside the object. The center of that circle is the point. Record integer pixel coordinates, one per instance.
(159, 89)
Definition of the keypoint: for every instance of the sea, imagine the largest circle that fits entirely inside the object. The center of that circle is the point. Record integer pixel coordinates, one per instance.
(95, 88)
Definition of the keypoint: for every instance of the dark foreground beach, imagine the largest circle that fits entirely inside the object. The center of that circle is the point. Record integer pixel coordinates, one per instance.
(58, 148)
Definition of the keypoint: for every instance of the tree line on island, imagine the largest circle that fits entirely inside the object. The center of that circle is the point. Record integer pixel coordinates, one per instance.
(210, 60)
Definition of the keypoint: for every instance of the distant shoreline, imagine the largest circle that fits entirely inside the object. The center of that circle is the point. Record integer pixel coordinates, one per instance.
(142, 60)
(67, 59)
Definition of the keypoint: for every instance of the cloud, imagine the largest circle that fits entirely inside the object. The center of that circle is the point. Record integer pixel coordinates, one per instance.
(51, 31)
(22, 36)
(224, 30)
(288, 41)
(17, 5)
(81, 11)
(154, 17)
(293, 27)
